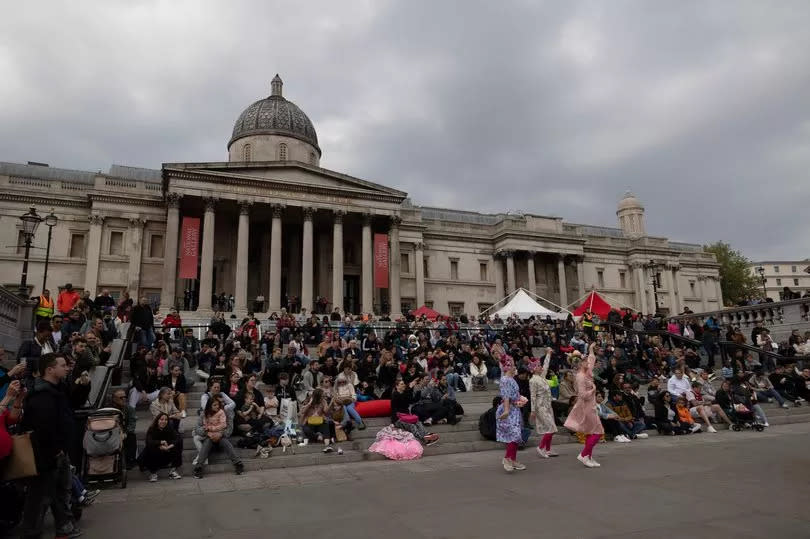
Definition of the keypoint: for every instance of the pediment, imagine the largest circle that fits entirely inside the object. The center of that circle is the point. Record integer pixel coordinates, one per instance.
(292, 174)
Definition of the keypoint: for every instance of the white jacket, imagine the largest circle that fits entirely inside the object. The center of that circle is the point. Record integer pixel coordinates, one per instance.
(478, 370)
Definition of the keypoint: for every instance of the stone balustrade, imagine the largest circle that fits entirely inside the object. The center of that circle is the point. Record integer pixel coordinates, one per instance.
(16, 320)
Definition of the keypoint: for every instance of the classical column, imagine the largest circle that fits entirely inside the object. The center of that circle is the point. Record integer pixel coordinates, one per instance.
(498, 274)
(673, 301)
(337, 260)
(677, 288)
(510, 271)
(307, 261)
(207, 254)
(719, 292)
(167, 295)
(135, 250)
(394, 263)
(242, 249)
(702, 289)
(367, 269)
(532, 276)
(641, 299)
(581, 275)
(93, 254)
(419, 249)
(561, 277)
(274, 295)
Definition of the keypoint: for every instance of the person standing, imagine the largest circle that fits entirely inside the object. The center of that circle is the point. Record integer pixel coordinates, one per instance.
(542, 413)
(44, 310)
(509, 426)
(144, 320)
(48, 415)
(583, 417)
(67, 299)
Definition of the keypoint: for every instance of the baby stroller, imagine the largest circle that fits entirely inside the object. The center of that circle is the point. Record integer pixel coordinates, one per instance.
(743, 418)
(103, 460)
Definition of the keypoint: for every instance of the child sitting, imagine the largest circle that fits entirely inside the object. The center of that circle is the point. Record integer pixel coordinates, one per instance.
(685, 416)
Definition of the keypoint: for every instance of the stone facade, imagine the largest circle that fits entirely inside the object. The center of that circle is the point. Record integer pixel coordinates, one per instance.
(270, 227)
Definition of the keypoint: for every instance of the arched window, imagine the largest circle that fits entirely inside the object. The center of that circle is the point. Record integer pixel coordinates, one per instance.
(282, 152)
(246, 153)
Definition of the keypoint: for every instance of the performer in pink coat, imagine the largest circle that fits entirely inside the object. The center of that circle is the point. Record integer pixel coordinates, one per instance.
(583, 417)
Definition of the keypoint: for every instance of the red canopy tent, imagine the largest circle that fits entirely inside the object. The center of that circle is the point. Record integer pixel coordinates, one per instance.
(427, 311)
(595, 304)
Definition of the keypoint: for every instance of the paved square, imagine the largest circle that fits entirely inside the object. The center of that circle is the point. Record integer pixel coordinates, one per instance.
(725, 485)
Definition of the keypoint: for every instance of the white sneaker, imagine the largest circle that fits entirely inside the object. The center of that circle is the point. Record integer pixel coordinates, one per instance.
(785, 405)
(765, 424)
(518, 466)
(542, 453)
(594, 464)
(196, 459)
(643, 435)
(507, 465)
(622, 439)
(586, 461)
(695, 428)
(552, 454)
(153, 478)
(174, 475)
(183, 414)
(711, 429)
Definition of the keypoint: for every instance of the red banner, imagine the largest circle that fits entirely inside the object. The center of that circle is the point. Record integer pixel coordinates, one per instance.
(381, 260)
(189, 247)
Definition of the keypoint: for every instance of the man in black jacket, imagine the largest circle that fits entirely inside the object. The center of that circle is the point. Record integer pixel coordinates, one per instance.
(30, 351)
(144, 321)
(49, 418)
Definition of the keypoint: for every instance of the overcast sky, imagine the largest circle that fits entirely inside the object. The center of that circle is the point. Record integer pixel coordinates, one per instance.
(702, 109)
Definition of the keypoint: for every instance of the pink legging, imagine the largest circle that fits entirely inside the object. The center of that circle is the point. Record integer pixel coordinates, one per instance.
(590, 441)
(545, 441)
(511, 450)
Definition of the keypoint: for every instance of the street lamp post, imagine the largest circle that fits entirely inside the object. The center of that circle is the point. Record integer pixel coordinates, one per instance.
(30, 222)
(763, 280)
(50, 221)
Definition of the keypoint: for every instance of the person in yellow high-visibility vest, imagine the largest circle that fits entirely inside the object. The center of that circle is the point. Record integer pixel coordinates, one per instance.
(587, 325)
(44, 309)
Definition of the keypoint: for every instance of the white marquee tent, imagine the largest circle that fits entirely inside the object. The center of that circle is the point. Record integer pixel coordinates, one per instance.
(522, 304)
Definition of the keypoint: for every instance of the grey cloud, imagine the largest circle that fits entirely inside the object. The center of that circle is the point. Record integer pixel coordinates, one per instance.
(552, 108)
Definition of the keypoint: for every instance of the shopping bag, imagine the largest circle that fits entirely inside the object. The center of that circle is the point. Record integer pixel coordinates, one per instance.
(20, 463)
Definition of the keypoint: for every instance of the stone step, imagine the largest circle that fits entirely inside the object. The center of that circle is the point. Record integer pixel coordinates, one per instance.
(451, 442)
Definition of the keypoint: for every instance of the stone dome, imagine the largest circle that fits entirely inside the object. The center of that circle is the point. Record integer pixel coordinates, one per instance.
(630, 202)
(275, 115)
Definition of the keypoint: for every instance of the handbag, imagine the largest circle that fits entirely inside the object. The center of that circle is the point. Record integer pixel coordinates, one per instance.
(20, 463)
(408, 418)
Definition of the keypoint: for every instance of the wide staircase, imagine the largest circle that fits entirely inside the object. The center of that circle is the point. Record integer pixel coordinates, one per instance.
(462, 437)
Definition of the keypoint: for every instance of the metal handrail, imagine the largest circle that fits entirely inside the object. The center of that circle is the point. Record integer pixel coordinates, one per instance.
(653, 332)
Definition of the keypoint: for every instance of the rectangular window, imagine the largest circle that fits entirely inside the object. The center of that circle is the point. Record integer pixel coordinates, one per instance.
(156, 246)
(20, 242)
(483, 307)
(776, 269)
(76, 246)
(795, 282)
(792, 269)
(116, 242)
(455, 308)
(483, 270)
(600, 278)
(454, 270)
(425, 268)
(779, 282)
(406, 305)
(404, 262)
(622, 279)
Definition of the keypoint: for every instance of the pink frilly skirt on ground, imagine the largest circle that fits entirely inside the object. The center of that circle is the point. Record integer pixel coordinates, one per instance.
(396, 444)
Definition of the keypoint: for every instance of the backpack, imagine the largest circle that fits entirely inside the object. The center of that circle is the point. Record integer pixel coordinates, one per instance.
(486, 425)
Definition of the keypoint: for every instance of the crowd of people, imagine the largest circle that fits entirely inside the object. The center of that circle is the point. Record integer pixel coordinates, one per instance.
(300, 379)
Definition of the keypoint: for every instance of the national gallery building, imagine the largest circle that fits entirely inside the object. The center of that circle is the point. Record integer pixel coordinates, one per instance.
(271, 227)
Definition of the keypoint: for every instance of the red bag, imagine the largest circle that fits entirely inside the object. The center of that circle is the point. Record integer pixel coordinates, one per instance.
(408, 418)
